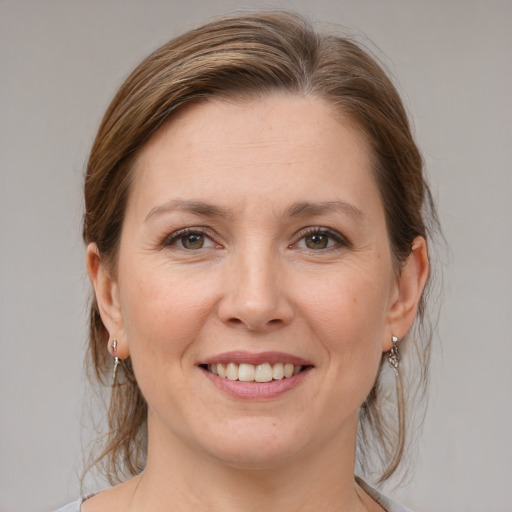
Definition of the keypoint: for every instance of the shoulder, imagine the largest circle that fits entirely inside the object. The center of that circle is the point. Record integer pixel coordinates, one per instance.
(113, 499)
(71, 507)
(386, 503)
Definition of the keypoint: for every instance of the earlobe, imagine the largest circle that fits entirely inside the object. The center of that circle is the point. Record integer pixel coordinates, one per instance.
(410, 283)
(107, 297)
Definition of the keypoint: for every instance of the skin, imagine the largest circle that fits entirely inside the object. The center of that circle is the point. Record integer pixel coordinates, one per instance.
(258, 283)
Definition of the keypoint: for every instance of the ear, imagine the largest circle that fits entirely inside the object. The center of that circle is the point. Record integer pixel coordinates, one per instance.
(410, 285)
(108, 299)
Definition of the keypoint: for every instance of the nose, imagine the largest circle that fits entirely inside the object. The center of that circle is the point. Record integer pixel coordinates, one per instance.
(255, 295)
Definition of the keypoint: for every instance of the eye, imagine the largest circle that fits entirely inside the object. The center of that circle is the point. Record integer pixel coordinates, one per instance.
(190, 240)
(317, 239)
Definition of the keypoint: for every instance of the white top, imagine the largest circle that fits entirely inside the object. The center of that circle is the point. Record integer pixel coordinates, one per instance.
(386, 503)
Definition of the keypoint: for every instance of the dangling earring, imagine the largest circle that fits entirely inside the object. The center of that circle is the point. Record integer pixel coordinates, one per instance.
(394, 355)
(116, 361)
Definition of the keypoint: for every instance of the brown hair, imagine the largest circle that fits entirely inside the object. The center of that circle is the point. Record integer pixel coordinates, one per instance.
(246, 56)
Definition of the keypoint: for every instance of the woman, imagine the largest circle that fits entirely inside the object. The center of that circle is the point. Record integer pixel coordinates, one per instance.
(255, 221)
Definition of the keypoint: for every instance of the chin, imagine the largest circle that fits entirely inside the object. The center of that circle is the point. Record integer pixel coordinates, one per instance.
(257, 447)
(255, 458)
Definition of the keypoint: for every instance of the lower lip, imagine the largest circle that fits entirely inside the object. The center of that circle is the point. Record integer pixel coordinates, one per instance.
(256, 390)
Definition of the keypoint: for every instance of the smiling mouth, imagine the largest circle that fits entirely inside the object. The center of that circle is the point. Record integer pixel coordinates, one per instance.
(245, 372)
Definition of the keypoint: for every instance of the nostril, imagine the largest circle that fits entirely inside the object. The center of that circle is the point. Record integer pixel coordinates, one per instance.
(255, 324)
(235, 321)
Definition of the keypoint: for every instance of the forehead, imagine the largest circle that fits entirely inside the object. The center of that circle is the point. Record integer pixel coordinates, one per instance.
(272, 148)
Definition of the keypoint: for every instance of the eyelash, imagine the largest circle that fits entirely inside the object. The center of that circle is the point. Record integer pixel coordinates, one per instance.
(340, 241)
(173, 238)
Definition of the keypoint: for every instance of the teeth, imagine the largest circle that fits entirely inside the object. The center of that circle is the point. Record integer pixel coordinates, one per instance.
(232, 371)
(246, 372)
(249, 373)
(263, 373)
(221, 370)
(278, 371)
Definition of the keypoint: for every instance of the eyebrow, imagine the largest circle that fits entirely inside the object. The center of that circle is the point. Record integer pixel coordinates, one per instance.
(306, 208)
(196, 207)
(303, 208)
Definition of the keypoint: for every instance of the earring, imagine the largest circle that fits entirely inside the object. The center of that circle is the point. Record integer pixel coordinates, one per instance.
(116, 361)
(394, 355)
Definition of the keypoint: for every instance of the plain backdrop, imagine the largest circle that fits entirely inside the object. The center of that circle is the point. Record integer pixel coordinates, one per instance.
(60, 63)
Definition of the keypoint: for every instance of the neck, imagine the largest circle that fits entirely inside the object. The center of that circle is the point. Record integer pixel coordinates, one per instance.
(321, 478)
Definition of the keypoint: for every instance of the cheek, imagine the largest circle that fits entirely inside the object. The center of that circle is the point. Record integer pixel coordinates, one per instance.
(348, 312)
(163, 318)
(163, 313)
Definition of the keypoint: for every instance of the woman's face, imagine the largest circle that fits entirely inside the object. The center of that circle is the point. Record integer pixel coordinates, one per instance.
(255, 238)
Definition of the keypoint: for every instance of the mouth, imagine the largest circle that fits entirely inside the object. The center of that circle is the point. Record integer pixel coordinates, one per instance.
(259, 373)
(256, 367)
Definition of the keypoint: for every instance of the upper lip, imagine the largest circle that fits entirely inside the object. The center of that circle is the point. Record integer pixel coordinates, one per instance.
(241, 356)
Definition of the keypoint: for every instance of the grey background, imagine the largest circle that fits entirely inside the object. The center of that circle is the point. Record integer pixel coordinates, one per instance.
(60, 63)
